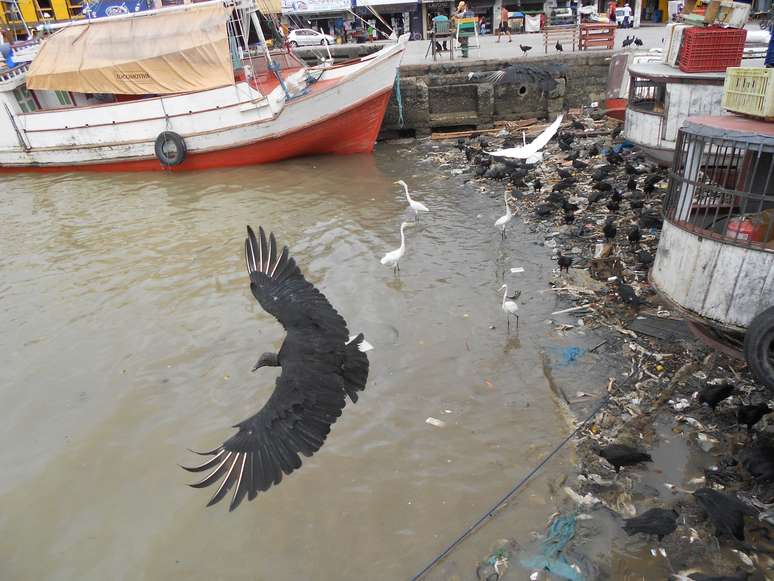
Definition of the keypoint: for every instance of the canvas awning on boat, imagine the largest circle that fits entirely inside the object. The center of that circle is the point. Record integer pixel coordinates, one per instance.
(169, 51)
(269, 6)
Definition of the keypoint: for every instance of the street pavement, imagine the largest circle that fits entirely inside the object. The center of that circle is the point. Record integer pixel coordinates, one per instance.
(652, 37)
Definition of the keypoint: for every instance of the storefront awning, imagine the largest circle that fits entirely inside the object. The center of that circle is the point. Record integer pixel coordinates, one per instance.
(380, 3)
(315, 6)
(168, 51)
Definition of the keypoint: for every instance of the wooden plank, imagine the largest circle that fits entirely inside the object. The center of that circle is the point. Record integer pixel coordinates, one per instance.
(457, 134)
(519, 123)
(535, 130)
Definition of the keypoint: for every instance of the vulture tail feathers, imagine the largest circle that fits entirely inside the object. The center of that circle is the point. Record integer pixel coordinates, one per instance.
(354, 370)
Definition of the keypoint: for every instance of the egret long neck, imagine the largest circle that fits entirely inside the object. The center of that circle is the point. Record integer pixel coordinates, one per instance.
(507, 207)
(505, 294)
(408, 197)
(402, 236)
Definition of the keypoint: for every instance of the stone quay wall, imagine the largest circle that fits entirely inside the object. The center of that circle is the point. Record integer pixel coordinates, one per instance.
(440, 96)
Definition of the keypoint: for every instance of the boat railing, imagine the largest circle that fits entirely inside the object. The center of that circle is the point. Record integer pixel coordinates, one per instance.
(7, 75)
(723, 189)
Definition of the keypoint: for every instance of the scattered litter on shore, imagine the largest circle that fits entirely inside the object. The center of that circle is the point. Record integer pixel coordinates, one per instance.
(596, 203)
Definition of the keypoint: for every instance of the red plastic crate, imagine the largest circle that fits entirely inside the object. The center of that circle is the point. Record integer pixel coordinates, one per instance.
(712, 49)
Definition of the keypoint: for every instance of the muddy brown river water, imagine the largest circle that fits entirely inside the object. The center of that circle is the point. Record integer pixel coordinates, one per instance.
(128, 336)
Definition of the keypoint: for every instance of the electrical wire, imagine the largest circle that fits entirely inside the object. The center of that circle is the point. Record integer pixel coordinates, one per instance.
(488, 514)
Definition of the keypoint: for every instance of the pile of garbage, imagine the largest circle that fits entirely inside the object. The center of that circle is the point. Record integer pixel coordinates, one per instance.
(596, 202)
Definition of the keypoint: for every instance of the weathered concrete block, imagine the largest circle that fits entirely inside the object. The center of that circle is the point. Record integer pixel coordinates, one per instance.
(486, 105)
(416, 115)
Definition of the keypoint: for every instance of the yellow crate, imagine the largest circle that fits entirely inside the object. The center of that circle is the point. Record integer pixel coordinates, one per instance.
(749, 91)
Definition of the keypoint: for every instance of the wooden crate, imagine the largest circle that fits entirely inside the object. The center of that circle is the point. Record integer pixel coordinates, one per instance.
(567, 35)
(596, 36)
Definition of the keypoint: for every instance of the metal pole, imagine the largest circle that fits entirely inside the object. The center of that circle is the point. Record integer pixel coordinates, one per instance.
(257, 23)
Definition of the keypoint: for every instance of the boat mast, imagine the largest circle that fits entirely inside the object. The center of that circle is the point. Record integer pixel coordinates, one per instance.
(250, 6)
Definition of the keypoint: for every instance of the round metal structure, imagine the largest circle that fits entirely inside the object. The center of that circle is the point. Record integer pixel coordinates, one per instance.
(715, 259)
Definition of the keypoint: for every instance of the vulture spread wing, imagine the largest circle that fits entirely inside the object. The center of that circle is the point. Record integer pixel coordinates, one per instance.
(319, 368)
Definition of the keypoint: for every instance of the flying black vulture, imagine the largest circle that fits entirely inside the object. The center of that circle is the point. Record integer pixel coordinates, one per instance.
(544, 78)
(320, 366)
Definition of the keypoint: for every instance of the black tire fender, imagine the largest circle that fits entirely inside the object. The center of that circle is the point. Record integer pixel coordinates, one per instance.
(759, 347)
(161, 148)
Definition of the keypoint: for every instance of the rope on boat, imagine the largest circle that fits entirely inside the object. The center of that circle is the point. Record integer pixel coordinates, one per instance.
(398, 97)
(488, 514)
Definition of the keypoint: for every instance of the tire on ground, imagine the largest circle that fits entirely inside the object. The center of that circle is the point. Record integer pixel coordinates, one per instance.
(759, 348)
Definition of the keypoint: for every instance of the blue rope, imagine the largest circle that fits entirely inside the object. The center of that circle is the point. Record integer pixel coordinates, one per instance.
(398, 97)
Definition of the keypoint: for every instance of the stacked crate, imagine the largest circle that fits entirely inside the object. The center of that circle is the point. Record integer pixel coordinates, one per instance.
(711, 50)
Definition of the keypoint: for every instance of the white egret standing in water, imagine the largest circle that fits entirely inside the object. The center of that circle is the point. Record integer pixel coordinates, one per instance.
(416, 206)
(502, 221)
(510, 308)
(393, 258)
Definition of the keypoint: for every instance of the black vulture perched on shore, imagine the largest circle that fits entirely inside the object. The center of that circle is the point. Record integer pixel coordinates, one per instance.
(578, 164)
(644, 258)
(564, 262)
(714, 392)
(634, 235)
(651, 219)
(759, 462)
(750, 415)
(622, 455)
(725, 511)
(609, 230)
(320, 367)
(656, 521)
(627, 293)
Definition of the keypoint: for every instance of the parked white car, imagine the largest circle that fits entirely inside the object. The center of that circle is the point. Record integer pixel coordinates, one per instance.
(309, 37)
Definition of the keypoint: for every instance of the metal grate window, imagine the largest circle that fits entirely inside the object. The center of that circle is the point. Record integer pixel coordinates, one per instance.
(647, 96)
(723, 188)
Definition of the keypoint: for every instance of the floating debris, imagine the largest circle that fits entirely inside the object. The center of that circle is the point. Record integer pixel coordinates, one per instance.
(435, 422)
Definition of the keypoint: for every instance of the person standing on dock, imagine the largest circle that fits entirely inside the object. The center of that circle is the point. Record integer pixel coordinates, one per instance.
(504, 28)
(627, 16)
(462, 12)
(611, 11)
